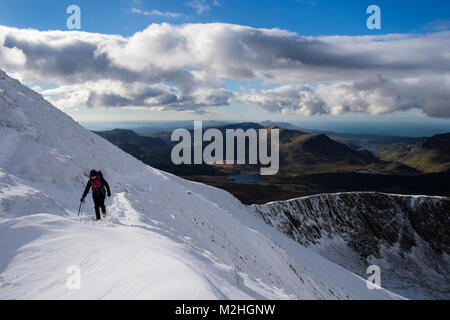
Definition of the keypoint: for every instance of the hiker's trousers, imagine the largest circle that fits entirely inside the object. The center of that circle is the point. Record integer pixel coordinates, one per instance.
(99, 202)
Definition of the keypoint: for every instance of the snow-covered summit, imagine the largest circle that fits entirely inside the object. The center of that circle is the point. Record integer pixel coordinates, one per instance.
(165, 238)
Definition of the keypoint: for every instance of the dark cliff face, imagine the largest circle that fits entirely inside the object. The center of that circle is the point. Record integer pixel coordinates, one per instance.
(439, 141)
(407, 236)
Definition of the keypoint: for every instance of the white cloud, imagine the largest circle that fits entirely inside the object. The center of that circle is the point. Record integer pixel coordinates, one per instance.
(181, 67)
(202, 6)
(374, 95)
(118, 94)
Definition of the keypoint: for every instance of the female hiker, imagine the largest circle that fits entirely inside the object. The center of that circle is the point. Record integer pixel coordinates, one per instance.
(100, 189)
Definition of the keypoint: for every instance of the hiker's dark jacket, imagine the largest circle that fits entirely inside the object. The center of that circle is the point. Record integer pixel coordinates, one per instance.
(92, 184)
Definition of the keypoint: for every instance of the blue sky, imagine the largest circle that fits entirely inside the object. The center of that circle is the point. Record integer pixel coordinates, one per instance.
(308, 17)
(315, 18)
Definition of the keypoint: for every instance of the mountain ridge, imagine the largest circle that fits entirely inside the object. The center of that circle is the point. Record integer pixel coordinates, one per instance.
(406, 236)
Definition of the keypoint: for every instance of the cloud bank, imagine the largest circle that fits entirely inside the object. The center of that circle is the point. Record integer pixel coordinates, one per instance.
(182, 67)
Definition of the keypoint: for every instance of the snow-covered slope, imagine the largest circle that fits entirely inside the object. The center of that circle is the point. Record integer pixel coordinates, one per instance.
(165, 238)
(408, 237)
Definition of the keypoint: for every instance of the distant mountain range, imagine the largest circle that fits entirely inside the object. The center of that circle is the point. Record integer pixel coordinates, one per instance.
(310, 163)
(355, 141)
(300, 152)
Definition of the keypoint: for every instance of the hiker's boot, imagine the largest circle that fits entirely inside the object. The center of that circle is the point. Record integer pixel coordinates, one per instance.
(104, 214)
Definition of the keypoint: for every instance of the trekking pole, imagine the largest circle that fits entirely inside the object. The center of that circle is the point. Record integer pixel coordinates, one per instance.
(80, 208)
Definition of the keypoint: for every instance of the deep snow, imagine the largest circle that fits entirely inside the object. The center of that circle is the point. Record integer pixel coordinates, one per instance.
(164, 238)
